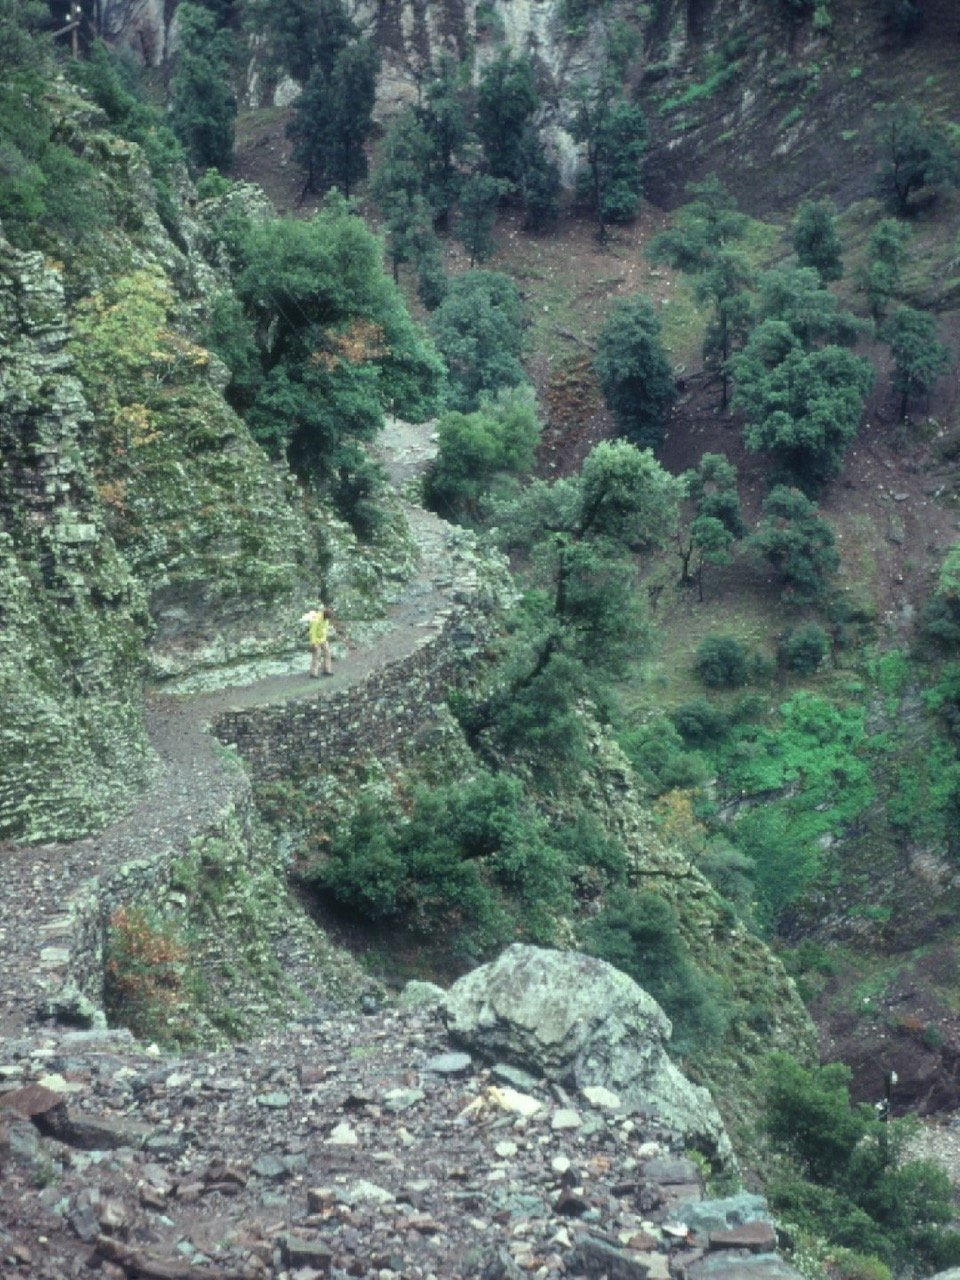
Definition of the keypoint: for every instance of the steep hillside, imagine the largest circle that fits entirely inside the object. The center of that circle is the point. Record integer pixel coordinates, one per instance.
(192, 411)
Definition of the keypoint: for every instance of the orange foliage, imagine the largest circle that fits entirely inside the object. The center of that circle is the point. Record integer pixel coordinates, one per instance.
(362, 340)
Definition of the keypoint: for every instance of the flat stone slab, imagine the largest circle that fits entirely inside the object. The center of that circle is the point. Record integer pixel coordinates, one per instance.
(598, 1258)
(758, 1237)
(449, 1064)
(671, 1172)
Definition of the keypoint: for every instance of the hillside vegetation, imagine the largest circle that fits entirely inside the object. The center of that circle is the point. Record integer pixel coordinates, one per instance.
(702, 398)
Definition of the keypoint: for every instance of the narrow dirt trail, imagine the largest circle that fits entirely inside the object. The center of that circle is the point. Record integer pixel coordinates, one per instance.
(195, 781)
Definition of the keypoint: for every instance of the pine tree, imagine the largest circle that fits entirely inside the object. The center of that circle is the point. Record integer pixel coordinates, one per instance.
(634, 372)
(919, 357)
(614, 132)
(478, 213)
(443, 119)
(332, 118)
(202, 106)
(815, 239)
(506, 101)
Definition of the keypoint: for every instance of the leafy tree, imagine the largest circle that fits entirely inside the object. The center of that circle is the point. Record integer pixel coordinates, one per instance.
(700, 722)
(658, 755)
(478, 213)
(802, 402)
(708, 223)
(722, 662)
(919, 357)
(797, 543)
(431, 278)
(498, 440)
(635, 375)
(699, 245)
(581, 616)
(804, 648)
(334, 340)
(805, 410)
(715, 520)
(859, 1188)
(725, 283)
(795, 297)
(202, 107)
(916, 153)
(477, 329)
(712, 487)
(639, 933)
(886, 255)
(398, 187)
(539, 183)
(815, 239)
(332, 118)
(614, 132)
(506, 101)
(808, 1114)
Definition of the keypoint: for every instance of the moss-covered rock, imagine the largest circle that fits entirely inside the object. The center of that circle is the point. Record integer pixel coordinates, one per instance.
(72, 620)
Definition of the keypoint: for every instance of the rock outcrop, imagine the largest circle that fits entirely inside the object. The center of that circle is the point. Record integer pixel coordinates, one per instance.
(582, 1023)
(72, 617)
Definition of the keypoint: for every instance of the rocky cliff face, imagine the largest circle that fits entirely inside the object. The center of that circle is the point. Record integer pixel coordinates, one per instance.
(72, 616)
(139, 523)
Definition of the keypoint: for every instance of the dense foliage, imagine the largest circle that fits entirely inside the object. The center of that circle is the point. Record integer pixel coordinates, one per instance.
(324, 344)
(847, 1176)
(202, 106)
(476, 450)
(477, 329)
(634, 372)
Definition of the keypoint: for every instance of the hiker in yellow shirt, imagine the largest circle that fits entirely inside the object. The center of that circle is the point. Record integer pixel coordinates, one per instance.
(319, 642)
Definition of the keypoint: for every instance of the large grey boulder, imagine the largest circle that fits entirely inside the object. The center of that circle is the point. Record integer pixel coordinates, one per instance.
(579, 1021)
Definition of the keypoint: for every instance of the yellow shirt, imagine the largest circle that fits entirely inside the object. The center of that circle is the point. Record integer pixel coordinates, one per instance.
(319, 629)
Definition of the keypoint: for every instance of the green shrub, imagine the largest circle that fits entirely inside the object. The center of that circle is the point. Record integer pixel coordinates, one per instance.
(364, 871)
(476, 449)
(594, 856)
(49, 197)
(851, 1183)
(657, 752)
(478, 331)
(722, 662)
(731, 872)
(804, 648)
(785, 861)
(473, 864)
(639, 934)
(700, 723)
(113, 82)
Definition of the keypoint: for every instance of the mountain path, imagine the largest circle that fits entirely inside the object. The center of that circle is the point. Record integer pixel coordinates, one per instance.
(194, 780)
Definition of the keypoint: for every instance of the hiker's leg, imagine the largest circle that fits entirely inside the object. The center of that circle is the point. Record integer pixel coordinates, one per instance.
(315, 660)
(327, 660)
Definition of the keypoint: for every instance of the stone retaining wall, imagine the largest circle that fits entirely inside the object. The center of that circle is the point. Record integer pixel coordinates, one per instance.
(80, 948)
(391, 703)
(368, 718)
